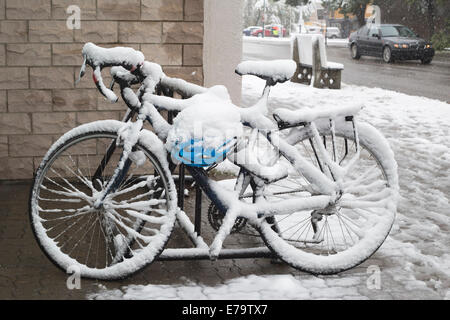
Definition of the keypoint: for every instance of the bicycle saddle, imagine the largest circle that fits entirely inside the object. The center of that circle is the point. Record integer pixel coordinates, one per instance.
(286, 118)
(273, 71)
(305, 115)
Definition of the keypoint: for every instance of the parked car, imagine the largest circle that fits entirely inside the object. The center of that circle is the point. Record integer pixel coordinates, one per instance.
(269, 31)
(313, 29)
(258, 32)
(333, 32)
(390, 42)
(248, 31)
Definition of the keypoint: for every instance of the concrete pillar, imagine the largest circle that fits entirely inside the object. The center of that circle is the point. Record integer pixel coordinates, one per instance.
(222, 46)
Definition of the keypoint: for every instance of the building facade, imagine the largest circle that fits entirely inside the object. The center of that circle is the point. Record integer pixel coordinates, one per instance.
(40, 57)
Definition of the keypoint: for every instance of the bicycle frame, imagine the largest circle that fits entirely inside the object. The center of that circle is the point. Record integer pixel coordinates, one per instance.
(325, 189)
(214, 191)
(132, 197)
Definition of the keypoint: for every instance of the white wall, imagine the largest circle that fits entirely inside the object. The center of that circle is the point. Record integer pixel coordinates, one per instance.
(222, 46)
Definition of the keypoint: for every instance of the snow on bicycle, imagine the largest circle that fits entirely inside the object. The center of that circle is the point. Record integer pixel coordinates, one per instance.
(104, 196)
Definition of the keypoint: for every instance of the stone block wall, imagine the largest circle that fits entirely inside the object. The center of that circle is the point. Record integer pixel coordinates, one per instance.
(40, 59)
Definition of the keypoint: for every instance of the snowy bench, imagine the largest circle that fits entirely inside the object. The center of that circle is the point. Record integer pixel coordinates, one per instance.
(312, 65)
(272, 71)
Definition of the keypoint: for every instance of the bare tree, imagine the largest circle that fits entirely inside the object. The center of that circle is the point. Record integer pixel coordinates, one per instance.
(355, 7)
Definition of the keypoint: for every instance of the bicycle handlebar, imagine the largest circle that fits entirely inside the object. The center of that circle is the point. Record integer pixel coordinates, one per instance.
(108, 57)
(98, 58)
(128, 67)
(120, 74)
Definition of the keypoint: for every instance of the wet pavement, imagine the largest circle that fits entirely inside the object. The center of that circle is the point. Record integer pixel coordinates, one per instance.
(410, 77)
(26, 273)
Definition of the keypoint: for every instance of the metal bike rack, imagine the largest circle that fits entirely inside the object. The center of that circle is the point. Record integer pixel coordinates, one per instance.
(193, 230)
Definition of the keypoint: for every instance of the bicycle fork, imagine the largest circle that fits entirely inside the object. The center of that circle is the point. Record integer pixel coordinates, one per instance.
(128, 137)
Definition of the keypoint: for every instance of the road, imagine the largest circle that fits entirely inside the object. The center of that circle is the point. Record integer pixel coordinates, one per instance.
(410, 77)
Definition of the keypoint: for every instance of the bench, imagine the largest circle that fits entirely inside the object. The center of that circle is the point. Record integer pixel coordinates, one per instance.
(312, 65)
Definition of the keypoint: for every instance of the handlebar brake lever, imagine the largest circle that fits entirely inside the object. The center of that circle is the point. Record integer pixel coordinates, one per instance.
(82, 70)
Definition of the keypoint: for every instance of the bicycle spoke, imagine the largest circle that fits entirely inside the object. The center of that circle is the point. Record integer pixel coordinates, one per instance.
(121, 218)
(79, 229)
(90, 242)
(127, 221)
(108, 250)
(366, 194)
(80, 177)
(302, 224)
(82, 237)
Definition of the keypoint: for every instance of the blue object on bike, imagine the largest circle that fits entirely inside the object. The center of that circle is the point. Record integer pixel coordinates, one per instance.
(193, 153)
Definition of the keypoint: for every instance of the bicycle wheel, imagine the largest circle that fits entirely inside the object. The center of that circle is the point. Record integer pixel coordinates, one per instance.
(132, 227)
(346, 234)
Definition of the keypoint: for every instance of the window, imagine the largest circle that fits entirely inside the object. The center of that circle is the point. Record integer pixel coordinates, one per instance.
(396, 31)
(373, 30)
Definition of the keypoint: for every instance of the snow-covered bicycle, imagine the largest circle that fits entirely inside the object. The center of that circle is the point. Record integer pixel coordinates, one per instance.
(104, 197)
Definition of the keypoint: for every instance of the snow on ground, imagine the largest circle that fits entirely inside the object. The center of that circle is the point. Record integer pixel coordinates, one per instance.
(274, 287)
(415, 259)
(418, 130)
(337, 42)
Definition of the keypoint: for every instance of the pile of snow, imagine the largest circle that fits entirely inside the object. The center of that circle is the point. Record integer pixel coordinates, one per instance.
(267, 48)
(337, 42)
(210, 117)
(252, 287)
(278, 70)
(99, 56)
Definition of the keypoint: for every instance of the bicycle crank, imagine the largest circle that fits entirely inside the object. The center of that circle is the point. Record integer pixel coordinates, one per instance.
(215, 218)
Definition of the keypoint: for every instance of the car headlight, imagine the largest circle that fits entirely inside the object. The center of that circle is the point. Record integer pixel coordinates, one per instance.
(405, 46)
(396, 45)
(428, 46)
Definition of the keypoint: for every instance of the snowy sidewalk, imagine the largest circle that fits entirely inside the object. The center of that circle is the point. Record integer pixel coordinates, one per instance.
(414, 262)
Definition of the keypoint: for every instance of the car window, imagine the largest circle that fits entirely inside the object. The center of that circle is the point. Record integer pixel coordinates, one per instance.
(396, 31)
(405, 32)
(373, 30)
(389, 31)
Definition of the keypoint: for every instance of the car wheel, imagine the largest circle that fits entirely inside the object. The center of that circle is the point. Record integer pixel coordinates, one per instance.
(333, 36)
(259, 35)
(355, 52)
(426, 60)
(387, 54)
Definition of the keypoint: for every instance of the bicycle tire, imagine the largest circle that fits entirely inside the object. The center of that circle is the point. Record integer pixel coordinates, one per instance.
(142, 242)
(306, 257)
